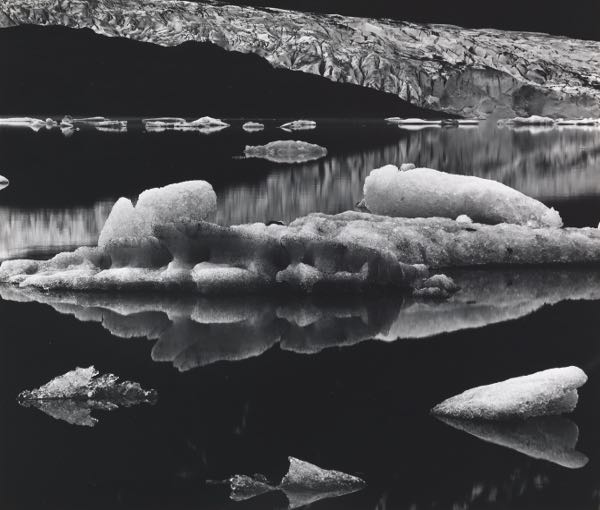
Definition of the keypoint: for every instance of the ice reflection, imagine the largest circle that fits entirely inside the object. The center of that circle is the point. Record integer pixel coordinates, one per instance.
(551, 438)
(193, 332)
(23, 231)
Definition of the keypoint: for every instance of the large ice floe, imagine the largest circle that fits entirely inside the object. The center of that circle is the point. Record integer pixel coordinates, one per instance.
(303, 484)
(545, 393)
(286, 151)
(550, 438)
(73, 396)
(424, 192)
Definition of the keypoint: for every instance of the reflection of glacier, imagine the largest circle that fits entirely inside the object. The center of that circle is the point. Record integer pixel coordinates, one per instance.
(192, 332)
(23, 231)
(554, 164)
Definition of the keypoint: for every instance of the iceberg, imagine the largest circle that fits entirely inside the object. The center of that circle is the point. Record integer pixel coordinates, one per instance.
(424, 193)
(286, 151)
(303, 484)
(252, 127)
(545, 393)
(299, 125)
(549, 438)
(73, 396)
(4, 182)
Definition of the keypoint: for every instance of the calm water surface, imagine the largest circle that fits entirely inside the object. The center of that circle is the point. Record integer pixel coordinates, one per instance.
(345, 383)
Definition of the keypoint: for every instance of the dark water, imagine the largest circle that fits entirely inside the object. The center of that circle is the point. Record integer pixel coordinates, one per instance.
(345, 383)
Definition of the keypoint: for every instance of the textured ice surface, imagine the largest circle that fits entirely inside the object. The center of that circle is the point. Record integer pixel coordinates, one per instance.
(299, 125)
(71, 397)
(544, 393)
(303, 484)
(550, 438)
(253, 126)
(424, 193)
(286, 151)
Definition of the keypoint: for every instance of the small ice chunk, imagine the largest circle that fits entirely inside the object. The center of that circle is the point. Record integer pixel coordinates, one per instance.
(464, 219)
(4, 182)
(71, 397)
(299, 125)
(544, 393)
(208, 122)
(303, 484)
(245, 487)
(425, 193)
(406, 166)
(252, 127)
(438, 286)
(533, 120)
(286, 151)
(413, 121)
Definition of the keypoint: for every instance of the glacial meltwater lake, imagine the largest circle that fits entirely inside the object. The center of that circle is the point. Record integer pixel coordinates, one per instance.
(343, 382)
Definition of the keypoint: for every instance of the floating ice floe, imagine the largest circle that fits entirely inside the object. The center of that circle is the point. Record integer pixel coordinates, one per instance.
(203, 125)
(4, 182)
(73, 396)
(533, 120)
(550, 438)
(286, 151)
(424, 192)
(252, 127)
(190, 331)
(28, 122)
(589, 121)
(303, 484)
(100, 123)
(299, 125)
(545, 393)
(413, 121)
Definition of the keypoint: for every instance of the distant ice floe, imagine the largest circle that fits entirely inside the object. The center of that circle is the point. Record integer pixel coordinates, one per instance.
(4, 182)
(253, 127)
(73, 396)
(424, 192)
(549, 122)
(286, 151)
(28, 122)
(299, 125)
(550, 438)
(304, 483)
(203, 125)
(545, 393)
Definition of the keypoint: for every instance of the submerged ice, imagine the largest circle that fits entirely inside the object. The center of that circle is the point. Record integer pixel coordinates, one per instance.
(303, 484)
(549, 392)
(73, 396)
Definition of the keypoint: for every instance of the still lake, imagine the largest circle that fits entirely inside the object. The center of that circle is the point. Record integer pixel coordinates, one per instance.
(345, 383)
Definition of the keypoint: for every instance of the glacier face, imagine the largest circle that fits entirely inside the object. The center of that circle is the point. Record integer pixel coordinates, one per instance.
(469, 72)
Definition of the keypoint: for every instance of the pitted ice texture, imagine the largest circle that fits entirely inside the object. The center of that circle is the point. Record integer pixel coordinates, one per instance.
(425, 193)
(545, 393)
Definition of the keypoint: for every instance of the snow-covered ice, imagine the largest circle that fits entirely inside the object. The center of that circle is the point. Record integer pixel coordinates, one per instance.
(303, 484)
(424, 193)
(545, 393)
(73, 396)
(286, 151)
